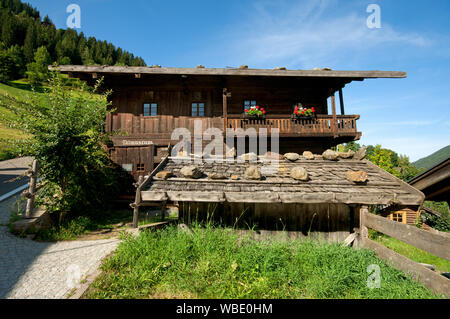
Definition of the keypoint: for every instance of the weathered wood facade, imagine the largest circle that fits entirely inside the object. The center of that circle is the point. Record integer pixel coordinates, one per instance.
(150, 102)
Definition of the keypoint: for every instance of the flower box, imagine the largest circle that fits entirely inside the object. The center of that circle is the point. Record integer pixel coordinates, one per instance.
(254, 113)
(304, 113)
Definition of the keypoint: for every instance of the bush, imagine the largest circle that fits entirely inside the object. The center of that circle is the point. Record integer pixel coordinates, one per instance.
(69, 143)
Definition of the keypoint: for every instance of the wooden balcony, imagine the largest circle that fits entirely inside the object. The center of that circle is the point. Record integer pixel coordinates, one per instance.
(323, 125)
(161, 127)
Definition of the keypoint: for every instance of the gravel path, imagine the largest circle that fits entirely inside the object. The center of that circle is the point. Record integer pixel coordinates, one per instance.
(30, 269)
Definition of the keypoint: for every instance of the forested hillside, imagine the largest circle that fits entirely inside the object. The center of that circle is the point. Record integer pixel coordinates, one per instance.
(433, 159)
(23, 31)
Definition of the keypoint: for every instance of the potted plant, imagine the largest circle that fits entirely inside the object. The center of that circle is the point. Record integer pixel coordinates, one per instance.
(255, 112)
(305, 113)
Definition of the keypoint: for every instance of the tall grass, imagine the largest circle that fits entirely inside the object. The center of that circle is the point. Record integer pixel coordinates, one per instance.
(216, 263)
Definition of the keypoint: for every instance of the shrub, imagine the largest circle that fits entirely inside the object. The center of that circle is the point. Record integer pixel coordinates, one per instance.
(68, 141)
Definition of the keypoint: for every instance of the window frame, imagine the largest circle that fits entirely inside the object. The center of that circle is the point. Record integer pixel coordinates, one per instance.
(247, 107)
(198, 109)
(150, 113)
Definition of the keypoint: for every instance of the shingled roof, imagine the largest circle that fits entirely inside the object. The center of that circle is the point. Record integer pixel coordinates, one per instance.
(327, 183)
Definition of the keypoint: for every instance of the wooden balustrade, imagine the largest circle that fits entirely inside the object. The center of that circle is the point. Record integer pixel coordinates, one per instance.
(165, 124)
(322, 125)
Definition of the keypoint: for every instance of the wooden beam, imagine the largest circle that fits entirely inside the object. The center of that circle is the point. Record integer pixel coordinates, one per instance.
(137, 202)
(363, 230)
(434, 281)
(225, 108)
(32, 189)
(435, 244)
(341, 102)
(333, 111)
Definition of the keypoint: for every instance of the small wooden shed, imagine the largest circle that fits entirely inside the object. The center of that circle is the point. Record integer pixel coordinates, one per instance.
(326, 203)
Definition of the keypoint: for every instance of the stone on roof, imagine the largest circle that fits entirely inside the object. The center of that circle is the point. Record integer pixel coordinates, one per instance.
(326, 183)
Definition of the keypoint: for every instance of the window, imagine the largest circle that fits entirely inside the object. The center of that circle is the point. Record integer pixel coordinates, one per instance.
(248, 104)
(150, 109)
(140, 168)
(198, 109)
(397, 217)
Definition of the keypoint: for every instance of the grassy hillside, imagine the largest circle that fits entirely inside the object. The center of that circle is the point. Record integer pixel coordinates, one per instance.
(9, 136)
(433, 159)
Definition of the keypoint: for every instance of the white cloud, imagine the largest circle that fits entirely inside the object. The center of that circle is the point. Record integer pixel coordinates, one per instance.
(305, 35)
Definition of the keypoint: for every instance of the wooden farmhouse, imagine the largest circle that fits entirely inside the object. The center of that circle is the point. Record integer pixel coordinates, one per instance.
(305, 193)
(435, 182)
(150, 102)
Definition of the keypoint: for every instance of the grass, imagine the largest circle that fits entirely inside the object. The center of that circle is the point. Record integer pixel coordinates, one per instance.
(10, 137)
(73, 228)
(216, 263)
(411, 252)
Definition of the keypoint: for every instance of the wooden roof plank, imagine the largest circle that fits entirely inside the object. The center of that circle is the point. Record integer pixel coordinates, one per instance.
(355, 75)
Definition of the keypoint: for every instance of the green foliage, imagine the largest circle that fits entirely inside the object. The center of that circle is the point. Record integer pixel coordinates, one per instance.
(215, 263)
(72, 227)
(21, 28)
(407, 169)
(390, 161)
(384, 159)
(6, 66)
(351, 146)
(38, 70)
(441, 223)
(68, 140)
(433, 159)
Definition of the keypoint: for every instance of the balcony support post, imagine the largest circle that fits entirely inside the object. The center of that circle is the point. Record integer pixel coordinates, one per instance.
(334, 120)
(341, 102)
(225, 107)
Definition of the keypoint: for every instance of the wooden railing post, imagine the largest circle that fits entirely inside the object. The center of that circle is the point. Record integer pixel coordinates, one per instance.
(137, 201)
(225, 107)
(32, 189)
(363, 230)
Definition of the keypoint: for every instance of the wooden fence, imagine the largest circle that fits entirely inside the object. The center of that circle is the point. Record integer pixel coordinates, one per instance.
(436, 243)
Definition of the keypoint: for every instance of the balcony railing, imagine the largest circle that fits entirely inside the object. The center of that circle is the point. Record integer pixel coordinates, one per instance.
(322, 125)
(162, 126)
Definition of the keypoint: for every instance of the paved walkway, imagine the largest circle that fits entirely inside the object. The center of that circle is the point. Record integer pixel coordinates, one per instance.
(30, 269)
(13, 168)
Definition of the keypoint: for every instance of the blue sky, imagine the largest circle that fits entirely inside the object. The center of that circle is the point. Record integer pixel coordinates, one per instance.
(410, 116)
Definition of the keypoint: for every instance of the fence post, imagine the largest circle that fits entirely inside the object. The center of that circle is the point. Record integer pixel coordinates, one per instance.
(363, 230)
(137, 201)
(32, 189)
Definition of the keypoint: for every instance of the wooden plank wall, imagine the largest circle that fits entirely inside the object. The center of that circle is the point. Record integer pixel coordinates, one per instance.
(134, 156)
(329, 222)
(175, 95)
